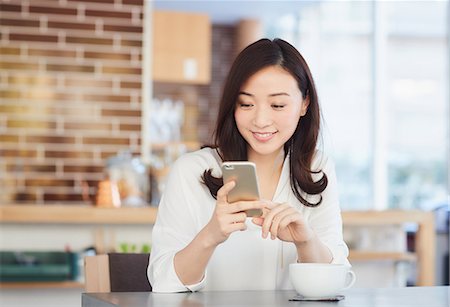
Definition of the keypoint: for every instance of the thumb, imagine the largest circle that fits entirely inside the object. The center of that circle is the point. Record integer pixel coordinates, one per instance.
(258, 221)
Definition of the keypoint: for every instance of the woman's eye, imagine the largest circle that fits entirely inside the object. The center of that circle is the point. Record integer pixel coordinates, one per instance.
(278, 106)
(245, 105)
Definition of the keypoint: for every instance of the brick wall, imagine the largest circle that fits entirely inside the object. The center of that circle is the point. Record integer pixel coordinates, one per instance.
(70, 94)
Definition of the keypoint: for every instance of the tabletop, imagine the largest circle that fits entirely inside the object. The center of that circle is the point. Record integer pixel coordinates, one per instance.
(367, 297)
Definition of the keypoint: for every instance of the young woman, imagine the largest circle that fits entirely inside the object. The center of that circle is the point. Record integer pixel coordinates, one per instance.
(269, 114)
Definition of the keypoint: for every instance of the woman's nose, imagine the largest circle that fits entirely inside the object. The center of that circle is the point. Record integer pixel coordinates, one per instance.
(262, 118)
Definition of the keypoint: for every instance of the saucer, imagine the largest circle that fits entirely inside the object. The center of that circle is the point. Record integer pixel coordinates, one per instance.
(333, 298)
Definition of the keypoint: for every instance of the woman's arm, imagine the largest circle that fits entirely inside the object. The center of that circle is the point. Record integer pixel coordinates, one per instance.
(190, 262)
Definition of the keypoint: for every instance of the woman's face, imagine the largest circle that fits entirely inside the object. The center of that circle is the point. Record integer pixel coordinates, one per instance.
(268, 109)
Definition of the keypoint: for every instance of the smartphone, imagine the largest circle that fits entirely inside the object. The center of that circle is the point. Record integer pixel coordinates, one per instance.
(246, 188)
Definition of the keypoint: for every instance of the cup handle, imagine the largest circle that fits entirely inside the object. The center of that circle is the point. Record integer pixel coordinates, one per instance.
(352, 281)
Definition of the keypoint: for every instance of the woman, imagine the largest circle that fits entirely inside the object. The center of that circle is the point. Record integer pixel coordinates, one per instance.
(269, 114)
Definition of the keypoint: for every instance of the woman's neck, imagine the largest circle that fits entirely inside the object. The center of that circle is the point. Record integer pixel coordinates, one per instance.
(268, 170)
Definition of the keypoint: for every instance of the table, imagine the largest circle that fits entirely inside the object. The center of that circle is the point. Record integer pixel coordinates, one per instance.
(373, 297)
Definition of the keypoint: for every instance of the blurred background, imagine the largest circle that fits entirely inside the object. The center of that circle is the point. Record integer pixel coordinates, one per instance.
(99, 97)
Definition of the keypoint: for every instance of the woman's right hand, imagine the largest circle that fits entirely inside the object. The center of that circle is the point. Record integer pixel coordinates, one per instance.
(228, 217)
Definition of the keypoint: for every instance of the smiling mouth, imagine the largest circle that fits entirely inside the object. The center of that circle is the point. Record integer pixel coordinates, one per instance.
(263, 136)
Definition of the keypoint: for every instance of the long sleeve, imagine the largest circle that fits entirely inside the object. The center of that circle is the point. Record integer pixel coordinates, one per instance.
(179, 220)
(326, 218)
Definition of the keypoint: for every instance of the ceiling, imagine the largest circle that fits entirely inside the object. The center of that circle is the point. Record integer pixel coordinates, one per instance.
(231, 11)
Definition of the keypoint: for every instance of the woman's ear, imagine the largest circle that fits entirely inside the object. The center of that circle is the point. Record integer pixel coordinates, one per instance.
(305, 105)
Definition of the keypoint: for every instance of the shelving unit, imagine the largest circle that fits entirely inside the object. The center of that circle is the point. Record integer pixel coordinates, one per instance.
(425, 239)
(82, 214)
(70, 214)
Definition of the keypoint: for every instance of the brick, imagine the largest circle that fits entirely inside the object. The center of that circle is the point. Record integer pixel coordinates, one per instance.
(80, 126)
(18, 153)
(125, 84)
(93, 1)
(48, 182)
(70, 68)
(30, 124)
(8, 138)
(83, 168)
(24, 197)
(48, 139)
(71, 25)
(10, 7)
(31, 168)
(107, 55)
(114, 14)
(87, 83)
(88, 40)
(130, 127)
(62, 197)
(19, 66)
(121, 113)
(107, 98)
(134, 2)
(33, 37)
(52, 10)
(9, 51)
(68, 154)
(52, 53)
(106, 141)
(132, 43)
(19, 22)
(121, 70)
(22, 79)
(119, 28)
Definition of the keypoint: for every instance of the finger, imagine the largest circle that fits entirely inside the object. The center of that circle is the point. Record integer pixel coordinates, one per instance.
(292, 218)
(222, 193)
(245, 205)
(268, 219)
(237, 227)
(258, 221)
(268, 205)
(238, 217)
(275, 227)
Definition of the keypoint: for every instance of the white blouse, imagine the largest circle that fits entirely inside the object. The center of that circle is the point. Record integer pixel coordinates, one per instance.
(245, 261)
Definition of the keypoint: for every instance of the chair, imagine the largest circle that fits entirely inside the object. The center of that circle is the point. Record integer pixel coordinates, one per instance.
(116, 272)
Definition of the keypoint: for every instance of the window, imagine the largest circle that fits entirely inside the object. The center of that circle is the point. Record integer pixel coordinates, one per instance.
(382, 75)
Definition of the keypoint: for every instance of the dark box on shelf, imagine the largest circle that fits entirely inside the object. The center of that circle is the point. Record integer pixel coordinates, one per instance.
(37, 266)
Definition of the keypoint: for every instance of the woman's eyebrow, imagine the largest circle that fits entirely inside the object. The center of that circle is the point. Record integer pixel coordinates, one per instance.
(246, 94)
(270, 95)
(279, 94)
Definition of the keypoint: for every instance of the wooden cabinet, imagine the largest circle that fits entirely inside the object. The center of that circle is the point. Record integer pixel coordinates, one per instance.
(181, 47)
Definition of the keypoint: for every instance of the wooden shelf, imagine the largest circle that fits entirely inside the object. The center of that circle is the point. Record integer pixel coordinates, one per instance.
(42, 285)
(356, 255)
(385, 217)
(76, 214)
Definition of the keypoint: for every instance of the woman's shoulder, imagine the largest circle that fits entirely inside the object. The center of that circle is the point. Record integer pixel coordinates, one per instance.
(322, 162)
(199, 160)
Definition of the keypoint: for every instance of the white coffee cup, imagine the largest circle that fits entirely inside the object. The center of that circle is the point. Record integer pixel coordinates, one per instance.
(317, 280)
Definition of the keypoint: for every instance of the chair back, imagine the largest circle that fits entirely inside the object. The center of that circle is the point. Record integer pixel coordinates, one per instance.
(117, 272)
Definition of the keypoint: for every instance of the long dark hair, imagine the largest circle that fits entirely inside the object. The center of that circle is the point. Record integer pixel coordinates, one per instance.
(231, 146)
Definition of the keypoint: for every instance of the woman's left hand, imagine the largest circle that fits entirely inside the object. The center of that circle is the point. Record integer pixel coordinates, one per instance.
(285, 223)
